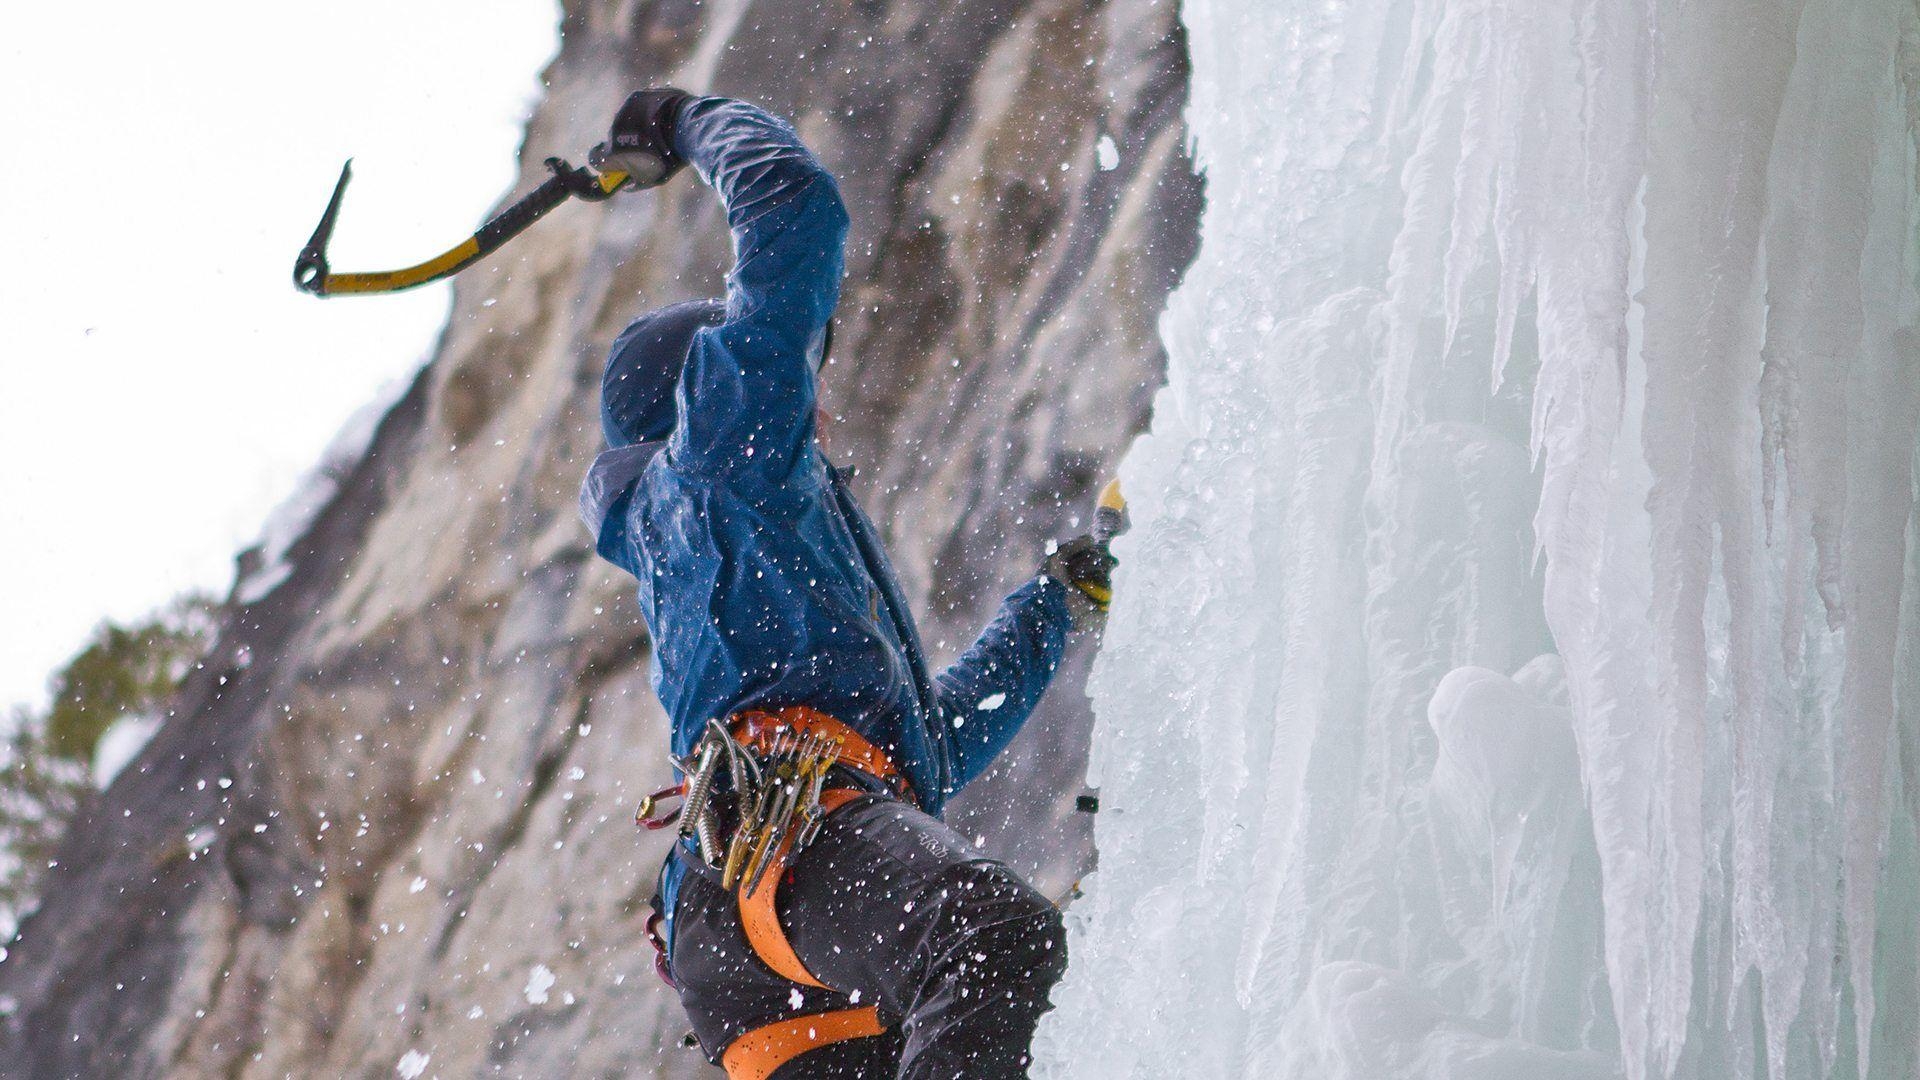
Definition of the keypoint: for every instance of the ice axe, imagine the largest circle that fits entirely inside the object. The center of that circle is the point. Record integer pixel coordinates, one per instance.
(1109, 521)
(311, 273)
(1110, 512)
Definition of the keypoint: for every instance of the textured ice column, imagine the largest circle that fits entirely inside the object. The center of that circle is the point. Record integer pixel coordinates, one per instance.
(1577, 327)
(1519, 876)
(1230, 768)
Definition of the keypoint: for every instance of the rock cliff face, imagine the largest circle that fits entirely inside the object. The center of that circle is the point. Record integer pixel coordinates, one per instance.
(391, 818)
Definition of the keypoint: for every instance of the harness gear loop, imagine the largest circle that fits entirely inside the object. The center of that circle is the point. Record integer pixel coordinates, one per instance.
(659, 943)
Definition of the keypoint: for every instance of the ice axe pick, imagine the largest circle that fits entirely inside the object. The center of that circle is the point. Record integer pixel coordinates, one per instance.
(312, 274)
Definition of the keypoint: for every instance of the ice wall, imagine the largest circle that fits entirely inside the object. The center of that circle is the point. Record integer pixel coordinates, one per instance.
(1514, 672)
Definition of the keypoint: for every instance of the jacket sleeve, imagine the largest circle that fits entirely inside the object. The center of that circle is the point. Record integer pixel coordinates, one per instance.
(991, 690)
(746, 398)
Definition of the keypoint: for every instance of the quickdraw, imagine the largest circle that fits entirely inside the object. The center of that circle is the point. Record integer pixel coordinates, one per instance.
(787, 802)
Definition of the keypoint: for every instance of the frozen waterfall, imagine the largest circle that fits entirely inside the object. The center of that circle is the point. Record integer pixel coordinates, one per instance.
(1516, 666)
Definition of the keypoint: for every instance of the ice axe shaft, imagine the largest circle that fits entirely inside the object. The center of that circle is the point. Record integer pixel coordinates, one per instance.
(311, 273)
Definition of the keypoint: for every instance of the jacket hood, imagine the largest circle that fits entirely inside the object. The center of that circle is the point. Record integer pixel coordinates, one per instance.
(643, 370)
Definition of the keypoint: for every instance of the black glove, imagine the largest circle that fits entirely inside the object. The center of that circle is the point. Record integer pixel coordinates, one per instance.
(640, 143)
(1085, 566)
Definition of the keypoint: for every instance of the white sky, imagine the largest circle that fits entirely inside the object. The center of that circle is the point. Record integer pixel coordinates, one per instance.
(162, 384)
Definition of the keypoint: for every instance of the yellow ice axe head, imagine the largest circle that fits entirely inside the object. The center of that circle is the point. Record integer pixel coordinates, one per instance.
(1110, 512)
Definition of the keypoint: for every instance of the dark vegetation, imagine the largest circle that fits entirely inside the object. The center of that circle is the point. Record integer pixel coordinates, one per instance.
(47, 757)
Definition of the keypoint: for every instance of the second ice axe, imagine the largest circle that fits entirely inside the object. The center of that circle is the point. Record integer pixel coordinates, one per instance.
(1109, 521)
(1110, 512)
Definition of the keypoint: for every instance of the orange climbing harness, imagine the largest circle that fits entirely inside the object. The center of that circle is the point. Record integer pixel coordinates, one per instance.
(762, 924)
(757, 1054)
(758, 729)
(760, 1052)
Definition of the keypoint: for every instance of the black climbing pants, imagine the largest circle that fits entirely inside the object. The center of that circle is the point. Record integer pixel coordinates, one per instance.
(889, 908)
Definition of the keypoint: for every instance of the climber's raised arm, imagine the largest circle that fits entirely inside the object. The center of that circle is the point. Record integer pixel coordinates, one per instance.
(746, 396)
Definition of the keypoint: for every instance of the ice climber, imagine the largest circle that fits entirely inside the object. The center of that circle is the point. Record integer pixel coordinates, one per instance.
(816, 917)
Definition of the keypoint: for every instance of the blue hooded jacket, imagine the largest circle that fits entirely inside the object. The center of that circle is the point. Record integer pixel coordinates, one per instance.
(762, 581)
